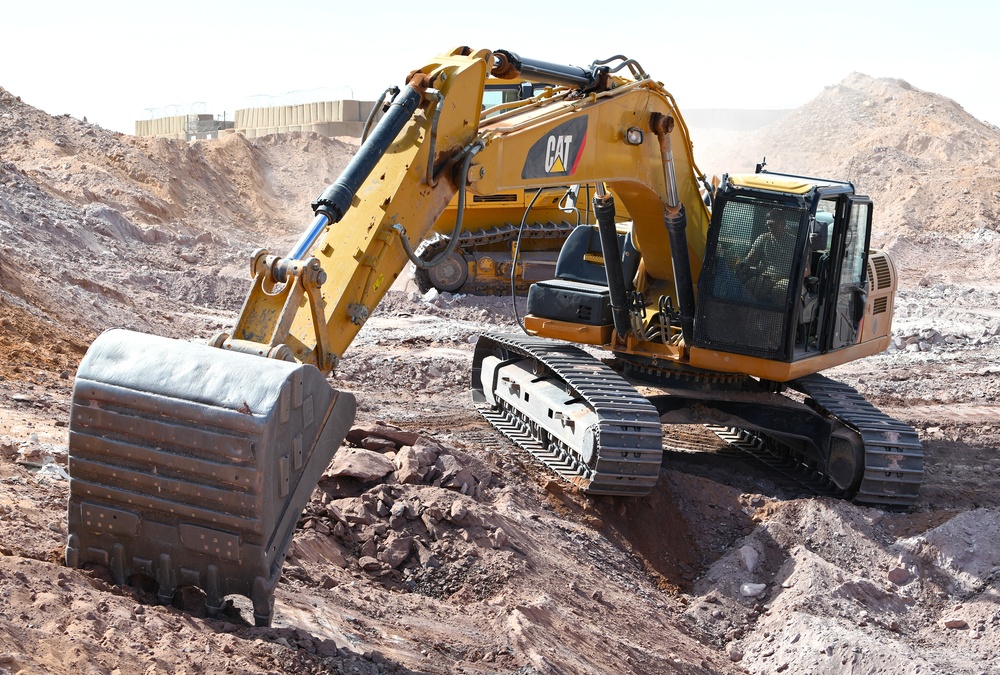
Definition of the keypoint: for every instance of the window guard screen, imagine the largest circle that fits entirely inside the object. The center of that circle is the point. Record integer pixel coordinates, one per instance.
(746, 287)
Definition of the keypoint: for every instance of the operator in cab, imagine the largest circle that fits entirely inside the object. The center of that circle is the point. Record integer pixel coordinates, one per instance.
(765, 269)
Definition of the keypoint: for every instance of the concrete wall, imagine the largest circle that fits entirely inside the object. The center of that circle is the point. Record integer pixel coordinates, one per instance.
(330, 118)
(166, 127)
(182, 127)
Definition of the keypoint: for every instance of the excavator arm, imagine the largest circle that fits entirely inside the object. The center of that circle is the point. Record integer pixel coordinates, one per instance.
(190, 463)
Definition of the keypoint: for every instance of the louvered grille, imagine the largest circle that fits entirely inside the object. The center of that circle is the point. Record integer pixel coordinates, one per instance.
(880, 272)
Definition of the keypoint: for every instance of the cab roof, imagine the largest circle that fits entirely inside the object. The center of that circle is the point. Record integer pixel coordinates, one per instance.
(788, 183)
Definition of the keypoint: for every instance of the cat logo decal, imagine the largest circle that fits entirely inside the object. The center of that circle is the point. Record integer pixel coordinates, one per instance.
(558, 152)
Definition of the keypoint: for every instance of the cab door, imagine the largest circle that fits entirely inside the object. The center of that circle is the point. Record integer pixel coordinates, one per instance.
(843, 316)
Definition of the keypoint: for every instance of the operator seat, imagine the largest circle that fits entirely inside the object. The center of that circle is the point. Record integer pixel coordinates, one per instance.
(579, 293)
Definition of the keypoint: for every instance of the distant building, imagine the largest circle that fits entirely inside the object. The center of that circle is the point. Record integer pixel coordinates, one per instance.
(330, 118)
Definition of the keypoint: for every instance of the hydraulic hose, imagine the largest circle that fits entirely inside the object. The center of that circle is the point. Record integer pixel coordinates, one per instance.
(460, 217)
(513, 265)
(394, 90)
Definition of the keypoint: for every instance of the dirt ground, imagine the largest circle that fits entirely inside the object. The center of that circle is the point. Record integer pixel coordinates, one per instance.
(432, 545)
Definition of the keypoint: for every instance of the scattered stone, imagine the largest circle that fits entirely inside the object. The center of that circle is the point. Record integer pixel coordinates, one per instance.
(407, 463)
(394, 434)
(353, 511)
(369, 564)
(458, 512)
(956, 623)
(364, 465)
(479, 469)
(752, 590)
(749, 556)
(8, 450)
(326, 649)
(377, 444)
(426, 557)
(369, 548)
(31, 454)
(450, 471)
(427, 451)
(899, 575)
(554, 487)
(498, 538)
(397, 549)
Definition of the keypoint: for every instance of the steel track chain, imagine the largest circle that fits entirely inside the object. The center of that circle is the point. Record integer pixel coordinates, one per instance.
(894, 457)
(893, 454)
(629, 445)
(778, 457)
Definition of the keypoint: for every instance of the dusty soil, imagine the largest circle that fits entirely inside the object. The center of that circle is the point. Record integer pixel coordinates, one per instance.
(432, 544)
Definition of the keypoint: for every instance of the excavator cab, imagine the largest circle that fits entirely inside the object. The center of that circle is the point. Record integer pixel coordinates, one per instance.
(796, 291)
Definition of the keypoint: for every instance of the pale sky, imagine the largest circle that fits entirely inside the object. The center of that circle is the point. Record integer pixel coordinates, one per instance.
(117, 61)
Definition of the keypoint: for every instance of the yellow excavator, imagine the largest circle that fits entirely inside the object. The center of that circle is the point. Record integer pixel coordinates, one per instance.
(510, 238)
(515, 235)
(190, 463)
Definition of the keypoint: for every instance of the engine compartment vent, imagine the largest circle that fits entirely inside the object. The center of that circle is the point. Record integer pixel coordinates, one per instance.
(487, 199)
(880, 271)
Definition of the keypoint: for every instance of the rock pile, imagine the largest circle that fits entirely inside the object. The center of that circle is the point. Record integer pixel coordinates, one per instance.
(404, 509)
(930, 339)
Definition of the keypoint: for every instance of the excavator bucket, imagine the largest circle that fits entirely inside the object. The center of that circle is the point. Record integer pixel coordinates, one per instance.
(191, 464)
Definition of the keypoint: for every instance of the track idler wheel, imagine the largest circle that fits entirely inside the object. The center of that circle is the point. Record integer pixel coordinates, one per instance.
(846, 465)
(451, 274)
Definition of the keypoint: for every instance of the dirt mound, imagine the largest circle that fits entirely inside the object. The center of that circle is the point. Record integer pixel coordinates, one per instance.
(932, 169)
(172, 187)
(98, 227)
